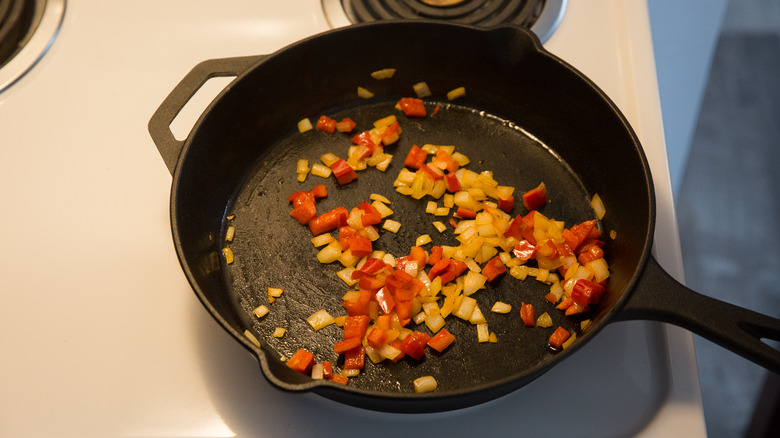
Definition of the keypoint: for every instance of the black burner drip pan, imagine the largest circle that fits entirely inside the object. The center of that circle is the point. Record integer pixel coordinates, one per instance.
(16, 24)
(475, 12)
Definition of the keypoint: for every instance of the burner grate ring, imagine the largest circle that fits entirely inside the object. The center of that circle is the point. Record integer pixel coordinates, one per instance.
(474, 12)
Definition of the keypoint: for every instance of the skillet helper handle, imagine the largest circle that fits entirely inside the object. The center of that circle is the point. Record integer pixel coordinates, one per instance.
(660, 297)
(160, 124)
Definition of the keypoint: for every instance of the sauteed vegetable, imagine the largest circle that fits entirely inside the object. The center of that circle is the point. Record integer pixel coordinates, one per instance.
(392, 297)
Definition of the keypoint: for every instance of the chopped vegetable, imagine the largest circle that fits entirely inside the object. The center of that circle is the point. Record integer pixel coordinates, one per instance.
(228, 254)
(421, 89)
(279, 332)
(305, 125)
(301, 361)
(320, 319)
(385, 73)
(559, 336)
(412, 107)
(425, 384)
(456, 93)
(261, 310)
(364, 93)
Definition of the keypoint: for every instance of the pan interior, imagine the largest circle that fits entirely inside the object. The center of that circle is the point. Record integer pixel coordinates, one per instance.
(272, 250)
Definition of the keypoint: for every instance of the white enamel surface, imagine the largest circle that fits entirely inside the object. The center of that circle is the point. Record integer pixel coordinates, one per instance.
(101, 334)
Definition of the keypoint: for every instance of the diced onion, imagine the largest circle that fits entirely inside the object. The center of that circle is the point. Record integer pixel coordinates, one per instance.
(391, 225)
(322, 240)
(598, 206)
(364, 93)
(330, 253)
(305, 125)
(228, 253)
(440, 227)
(501, 307)
(320, 170)
(317, 371)
(249, 335)
(328, 159)
(261, 310)
(422, 240)
(544, 320)
(477, 317)
(456, 93)
(434, 322)
(320, 319)
(346, 275)
(421, 89)
(483, 333)
(425, 384)
(279, 332)
(230, 233)
(385, 73)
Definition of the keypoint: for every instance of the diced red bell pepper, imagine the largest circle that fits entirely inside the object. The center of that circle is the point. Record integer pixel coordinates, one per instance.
(319, 191)
(590, 253)
(359, 305)
(452, 183)
(412, 107)
(586, 292)
(454, 269)
(385, 300)
(347, 344)
(396, 343)
(438, 268)
(404, 293)
(404, 311)
(399, 279)
(435, 256)
(465, 213)
(339, 378)
(356, 326)
(565, 304)
(535, 198)
(559, 336)
(345, 234)
(528, 314)
(507, 204)
(377, 338)
(416, 157)
(441, 340)
(355, 358)
(515, 228)
(391, 133)
(304, 206)
(370, 267)
(325, 123)
(301, 361)
(432, 171)
(327, 369)
(371, 282)
(371, 215)
(305, 213)
(577, 234)
(547, 249)
(524, 250)
(360, 246)
(493, 268)
(329, 221)
(447, 161)
(346, 125)
(418, 254)
(414, 346)
(343, 172)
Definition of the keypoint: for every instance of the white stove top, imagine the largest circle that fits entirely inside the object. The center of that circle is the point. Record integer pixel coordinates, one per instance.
(101, 333)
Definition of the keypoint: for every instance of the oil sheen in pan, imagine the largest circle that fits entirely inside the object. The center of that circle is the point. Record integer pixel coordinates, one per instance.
(272, 250)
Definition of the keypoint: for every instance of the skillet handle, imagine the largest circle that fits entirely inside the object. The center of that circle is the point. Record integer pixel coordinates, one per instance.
(657, 296)
(160, 123)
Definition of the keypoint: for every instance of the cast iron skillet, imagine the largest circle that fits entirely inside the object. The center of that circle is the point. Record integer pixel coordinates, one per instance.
(527, 116)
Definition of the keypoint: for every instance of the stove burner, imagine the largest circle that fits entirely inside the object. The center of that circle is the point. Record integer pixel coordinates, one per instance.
(16, 17)
(541, 16)
(27, 29)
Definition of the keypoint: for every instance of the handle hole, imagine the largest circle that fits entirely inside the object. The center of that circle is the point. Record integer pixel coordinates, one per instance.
(191, 112)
